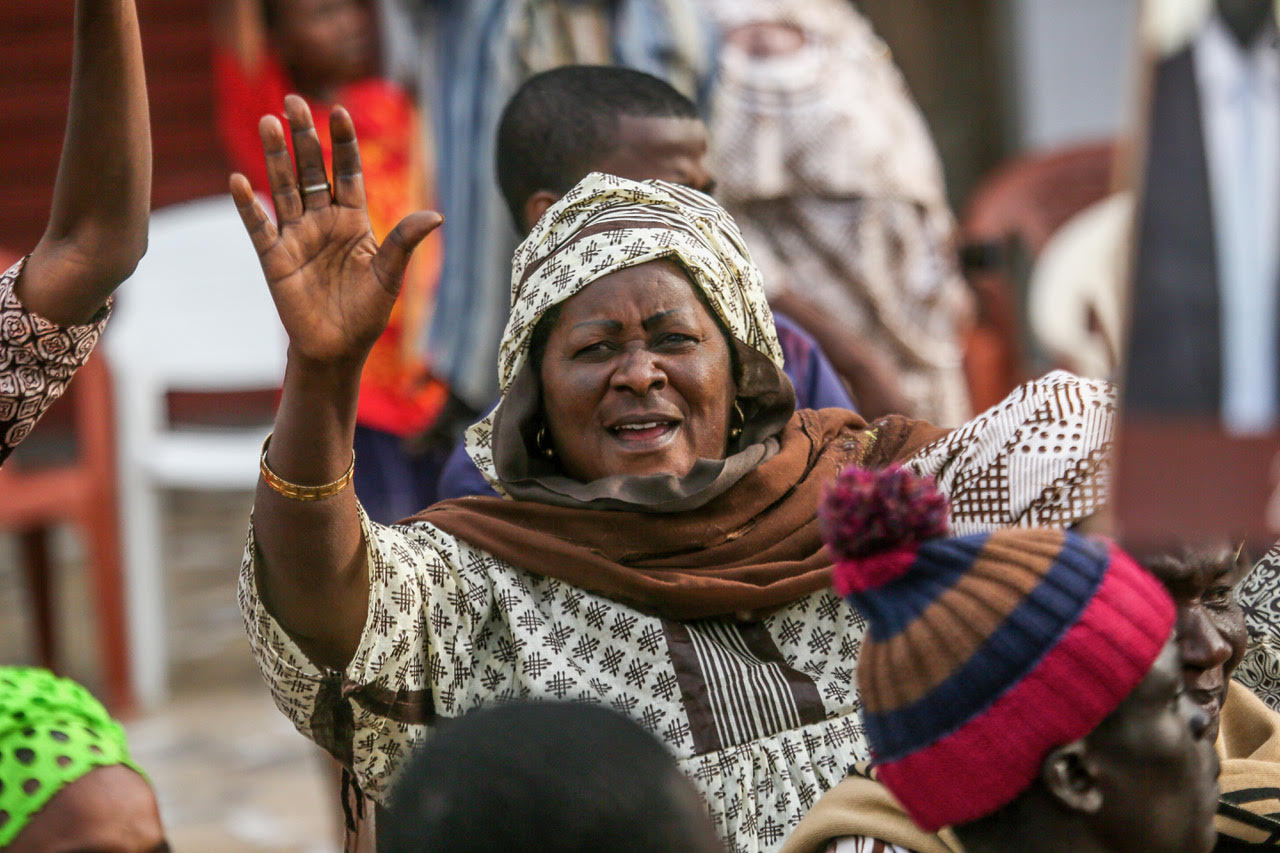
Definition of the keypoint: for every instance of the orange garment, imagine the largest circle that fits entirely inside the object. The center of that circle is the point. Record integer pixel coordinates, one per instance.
(398, 394)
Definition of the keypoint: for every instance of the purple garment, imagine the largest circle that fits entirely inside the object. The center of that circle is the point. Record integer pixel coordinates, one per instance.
(816, 382)
(392, 483)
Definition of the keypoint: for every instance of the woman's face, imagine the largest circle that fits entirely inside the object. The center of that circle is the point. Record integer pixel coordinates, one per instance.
(636, 377)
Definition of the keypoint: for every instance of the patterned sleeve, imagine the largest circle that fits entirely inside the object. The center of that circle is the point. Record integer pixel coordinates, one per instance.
(422, 606)
(1260, 597)
(862, 844)
(1039, 458)
(37, 360)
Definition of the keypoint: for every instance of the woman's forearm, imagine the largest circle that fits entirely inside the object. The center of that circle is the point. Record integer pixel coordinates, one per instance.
(313, 576)
(97, 230)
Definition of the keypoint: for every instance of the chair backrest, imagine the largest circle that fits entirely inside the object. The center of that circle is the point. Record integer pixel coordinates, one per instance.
(1029, 198)
(196, 315)
(1009, 219)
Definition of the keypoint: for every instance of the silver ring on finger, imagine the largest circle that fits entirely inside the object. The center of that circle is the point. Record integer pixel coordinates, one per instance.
(315, 188)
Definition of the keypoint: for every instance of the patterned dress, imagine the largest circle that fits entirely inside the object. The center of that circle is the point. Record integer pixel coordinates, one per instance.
(37, 360)
(1258, 594)
(762, 716)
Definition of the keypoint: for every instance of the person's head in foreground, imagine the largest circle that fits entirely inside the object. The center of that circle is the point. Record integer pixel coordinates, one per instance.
(67, 783)
(545, 776)
(562, 124)
(640, 364)
(1023, 686)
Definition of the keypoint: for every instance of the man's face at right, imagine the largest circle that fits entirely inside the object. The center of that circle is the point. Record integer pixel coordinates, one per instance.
(1211, 629)
(668, 149)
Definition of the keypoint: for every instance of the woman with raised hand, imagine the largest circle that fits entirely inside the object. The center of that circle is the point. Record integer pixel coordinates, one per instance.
(55, 301)
(656, 548)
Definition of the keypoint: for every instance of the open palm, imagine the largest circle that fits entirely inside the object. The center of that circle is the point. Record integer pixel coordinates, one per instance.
(332, 284)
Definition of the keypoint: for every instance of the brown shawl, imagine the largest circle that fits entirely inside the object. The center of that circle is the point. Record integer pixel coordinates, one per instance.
(751, 549)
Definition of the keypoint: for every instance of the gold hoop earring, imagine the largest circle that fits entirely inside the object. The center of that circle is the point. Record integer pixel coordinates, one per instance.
(735, 432)
(540, 442)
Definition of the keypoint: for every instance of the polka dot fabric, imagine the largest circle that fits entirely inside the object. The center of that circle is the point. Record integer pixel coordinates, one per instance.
(52, 732)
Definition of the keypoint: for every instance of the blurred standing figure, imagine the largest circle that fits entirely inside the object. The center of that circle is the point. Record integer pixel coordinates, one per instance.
(825, 162)
(54, 303)
(1205, 330)
(324, 51)
(469, 59)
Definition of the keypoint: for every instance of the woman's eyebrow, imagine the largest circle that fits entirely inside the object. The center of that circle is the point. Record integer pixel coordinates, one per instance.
(653, 319)
(611, 325)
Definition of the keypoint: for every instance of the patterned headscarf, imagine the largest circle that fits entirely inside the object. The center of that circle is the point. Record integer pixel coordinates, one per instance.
(606, 224)
(52, 732)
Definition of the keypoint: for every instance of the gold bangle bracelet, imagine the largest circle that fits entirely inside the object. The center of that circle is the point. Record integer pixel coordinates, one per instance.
(303, 493)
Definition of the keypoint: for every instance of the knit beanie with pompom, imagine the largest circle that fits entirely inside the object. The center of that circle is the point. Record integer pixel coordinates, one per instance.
(984, 652)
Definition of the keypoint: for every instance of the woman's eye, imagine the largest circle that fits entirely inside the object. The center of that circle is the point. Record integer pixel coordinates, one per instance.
(597, 348)
(677, 339)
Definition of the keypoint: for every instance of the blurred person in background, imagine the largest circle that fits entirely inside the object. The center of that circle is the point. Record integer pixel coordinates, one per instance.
(565, 123)
(826, 163)
(545, 777)
(55, 302)
(467, 60)
(324, 50)
(1205, 305)
(67, 781)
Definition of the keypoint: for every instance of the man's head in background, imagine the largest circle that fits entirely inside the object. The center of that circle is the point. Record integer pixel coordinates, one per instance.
(542, 777)
(565, 123)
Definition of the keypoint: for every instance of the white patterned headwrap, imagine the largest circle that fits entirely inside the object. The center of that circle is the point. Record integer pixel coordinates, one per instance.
(606, 224)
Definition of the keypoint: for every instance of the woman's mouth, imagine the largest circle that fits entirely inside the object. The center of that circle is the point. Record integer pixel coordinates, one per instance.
(641, 434)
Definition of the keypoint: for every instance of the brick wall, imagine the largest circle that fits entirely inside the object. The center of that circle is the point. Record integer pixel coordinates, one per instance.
(35, 74)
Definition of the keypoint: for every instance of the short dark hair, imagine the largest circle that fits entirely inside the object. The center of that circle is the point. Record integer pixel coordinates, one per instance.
(561, 122)
(535, 776)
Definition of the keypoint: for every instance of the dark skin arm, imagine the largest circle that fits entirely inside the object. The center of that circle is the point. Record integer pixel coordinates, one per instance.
(97, 229)
(870, 377)
(333, 286)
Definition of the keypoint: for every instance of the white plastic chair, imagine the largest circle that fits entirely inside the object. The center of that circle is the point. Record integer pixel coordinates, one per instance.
(195, 316)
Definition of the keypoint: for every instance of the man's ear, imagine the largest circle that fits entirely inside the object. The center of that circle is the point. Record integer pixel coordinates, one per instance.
(1070, 776)
(536, 205)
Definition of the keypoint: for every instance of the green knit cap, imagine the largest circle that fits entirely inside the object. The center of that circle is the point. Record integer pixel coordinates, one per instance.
(52, 732)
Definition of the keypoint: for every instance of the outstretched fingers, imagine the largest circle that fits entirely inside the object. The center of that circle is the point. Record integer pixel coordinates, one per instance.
(284, 185)
(261, 230)
(348, 177)
(393, 255)
(313, 180)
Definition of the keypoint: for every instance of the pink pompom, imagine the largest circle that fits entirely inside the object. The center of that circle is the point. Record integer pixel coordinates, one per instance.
(868, 513)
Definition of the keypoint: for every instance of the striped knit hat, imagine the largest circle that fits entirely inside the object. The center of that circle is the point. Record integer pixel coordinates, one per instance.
(984, 652)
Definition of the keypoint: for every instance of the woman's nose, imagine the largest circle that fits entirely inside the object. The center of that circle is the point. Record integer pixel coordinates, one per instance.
(638, 372)
(1200, 643)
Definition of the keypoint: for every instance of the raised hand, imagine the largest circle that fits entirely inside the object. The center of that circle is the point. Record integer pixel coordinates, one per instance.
(331, 282)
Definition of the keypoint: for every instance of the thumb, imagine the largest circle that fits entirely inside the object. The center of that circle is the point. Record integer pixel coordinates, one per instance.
(393, 255)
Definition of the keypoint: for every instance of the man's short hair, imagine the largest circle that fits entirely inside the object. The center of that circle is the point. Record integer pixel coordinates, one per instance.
(535, 776)
(561, 122)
